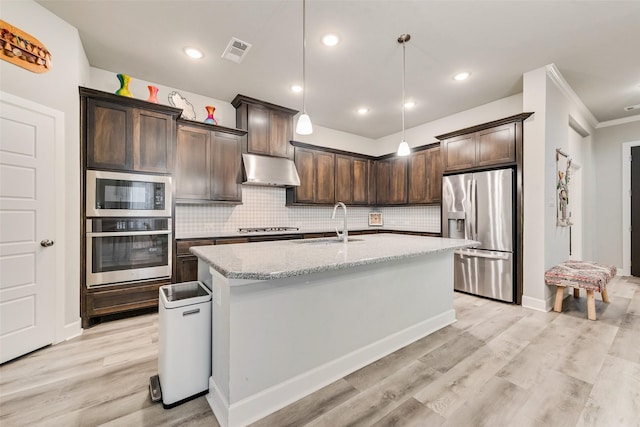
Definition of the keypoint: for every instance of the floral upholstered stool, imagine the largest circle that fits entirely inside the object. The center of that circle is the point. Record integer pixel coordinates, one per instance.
(580, 274)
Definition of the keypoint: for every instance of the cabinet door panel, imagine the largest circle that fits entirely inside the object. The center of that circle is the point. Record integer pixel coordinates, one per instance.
(304, 161)
(280, 133)
(152, 141)
(360, 181)
(434, 175)
(460, 152)
(193, 164)
(383, 180)
(398, 185)
(258, 125)
(418, 181)
(344, 179)
(496, 145)
(109, 136)
(325, 178)
(226, 165)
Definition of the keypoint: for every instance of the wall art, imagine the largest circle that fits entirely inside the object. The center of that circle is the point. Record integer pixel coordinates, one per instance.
(23, 50)
(563, 178)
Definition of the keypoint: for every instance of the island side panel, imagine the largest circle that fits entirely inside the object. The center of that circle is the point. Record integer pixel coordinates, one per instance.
(292, 336)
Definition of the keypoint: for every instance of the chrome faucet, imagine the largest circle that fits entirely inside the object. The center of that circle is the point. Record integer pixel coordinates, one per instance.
(344, 236)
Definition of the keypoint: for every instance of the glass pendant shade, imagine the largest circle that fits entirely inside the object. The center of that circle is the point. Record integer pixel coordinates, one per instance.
(304, 126)
(403, 149)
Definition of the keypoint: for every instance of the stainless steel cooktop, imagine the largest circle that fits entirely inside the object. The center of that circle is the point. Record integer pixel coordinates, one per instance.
(266, 229)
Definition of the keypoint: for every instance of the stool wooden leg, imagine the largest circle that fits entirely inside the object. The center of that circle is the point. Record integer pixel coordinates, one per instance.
(591, 305)
(576, 292)
(605, 295)
(559, 294)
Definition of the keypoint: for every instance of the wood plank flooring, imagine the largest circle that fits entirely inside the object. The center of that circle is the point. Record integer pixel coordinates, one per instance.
(498, 365)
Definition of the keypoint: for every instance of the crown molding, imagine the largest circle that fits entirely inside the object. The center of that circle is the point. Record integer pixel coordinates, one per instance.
(556, 77)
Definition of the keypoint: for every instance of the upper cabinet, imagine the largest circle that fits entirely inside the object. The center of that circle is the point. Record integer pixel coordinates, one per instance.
(391, 181)
(269, 126)
(208, 163)
(316, 169)
(352, 179)
(425, 176)
(486, 145)
(127, 134)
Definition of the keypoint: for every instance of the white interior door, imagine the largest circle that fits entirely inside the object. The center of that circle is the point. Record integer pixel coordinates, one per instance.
(27, 226)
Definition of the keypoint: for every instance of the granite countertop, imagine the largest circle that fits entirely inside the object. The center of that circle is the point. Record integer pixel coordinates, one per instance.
(280, 259)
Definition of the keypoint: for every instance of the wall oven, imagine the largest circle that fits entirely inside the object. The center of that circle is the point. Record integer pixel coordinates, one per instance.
(116, 194)
(126, 249)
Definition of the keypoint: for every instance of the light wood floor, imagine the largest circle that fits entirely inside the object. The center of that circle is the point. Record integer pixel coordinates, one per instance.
(498, 365)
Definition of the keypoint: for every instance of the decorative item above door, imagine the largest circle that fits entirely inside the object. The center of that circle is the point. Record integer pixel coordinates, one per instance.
(563, 176)
(23, 50)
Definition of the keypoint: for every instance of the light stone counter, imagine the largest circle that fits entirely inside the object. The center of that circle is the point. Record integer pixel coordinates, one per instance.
(290, 317)
(287, 258)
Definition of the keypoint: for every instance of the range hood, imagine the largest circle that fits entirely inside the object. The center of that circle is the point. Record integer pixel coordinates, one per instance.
(270, 171)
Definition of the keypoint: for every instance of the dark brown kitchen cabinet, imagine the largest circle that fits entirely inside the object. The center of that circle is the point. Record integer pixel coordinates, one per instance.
(186, 264)
(316, 170)
(352, 180)
(425, 176)
(269, 126)
(127, 134)
(391, 181)
(486, 147)
(208, 163)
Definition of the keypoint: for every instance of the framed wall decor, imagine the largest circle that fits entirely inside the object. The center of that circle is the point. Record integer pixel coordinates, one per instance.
(375, 218)
(563, 178)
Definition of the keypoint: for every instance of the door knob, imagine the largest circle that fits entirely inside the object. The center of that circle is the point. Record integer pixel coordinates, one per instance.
(46, 243)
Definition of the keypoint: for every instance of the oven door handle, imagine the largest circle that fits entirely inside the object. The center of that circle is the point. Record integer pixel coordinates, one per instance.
(128, 233)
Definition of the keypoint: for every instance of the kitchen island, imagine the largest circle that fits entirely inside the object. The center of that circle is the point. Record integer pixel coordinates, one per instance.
(290, 317)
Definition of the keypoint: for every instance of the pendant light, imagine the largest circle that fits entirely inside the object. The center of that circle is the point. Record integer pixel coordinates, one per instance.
(403, 148)
(304, 126)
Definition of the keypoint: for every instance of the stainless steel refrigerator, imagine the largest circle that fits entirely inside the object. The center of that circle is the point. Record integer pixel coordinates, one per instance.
(479, 206)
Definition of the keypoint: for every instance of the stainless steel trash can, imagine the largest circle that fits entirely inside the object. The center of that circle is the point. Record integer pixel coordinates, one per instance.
(184, 339)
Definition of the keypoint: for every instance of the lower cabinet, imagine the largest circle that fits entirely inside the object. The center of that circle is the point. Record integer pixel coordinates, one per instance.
(111, 299)
(186, 264)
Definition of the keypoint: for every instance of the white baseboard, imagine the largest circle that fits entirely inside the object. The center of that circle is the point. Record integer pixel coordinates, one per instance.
(69, 331)
(623, 271)
(276, 397)
(537, 304)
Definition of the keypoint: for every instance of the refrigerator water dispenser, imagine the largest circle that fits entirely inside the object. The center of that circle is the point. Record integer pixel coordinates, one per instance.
(456, 225)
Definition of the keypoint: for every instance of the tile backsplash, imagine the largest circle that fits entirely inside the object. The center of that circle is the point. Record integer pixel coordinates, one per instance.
(265, 207)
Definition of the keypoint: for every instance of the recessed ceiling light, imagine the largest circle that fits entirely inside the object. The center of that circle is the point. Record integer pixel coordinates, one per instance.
(330, 40)
(462, 76)
(296, 88)
(363, 110)
(193, 53)
(409, 104)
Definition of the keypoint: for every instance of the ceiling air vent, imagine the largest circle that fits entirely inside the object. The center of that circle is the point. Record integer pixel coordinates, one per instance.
(236, 50)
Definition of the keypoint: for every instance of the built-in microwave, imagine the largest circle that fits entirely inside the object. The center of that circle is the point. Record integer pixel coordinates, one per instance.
(117, 194)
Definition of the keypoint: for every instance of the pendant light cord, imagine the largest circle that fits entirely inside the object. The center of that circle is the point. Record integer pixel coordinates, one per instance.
(404, 48)
(304, 48)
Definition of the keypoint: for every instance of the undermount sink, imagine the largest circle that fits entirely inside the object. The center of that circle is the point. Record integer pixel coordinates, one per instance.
(326, 241)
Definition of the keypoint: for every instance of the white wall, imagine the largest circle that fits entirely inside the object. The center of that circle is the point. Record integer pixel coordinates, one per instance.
(426, 133)
(557, 109)
(225, 114)
(57, 89)
(608, 143)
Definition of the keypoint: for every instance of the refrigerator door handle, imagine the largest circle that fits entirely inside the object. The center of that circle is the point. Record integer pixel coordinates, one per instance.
(468, 229)
(473, 209)
(478, 254)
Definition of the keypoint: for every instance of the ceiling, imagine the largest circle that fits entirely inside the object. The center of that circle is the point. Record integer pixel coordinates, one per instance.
(594, 44)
